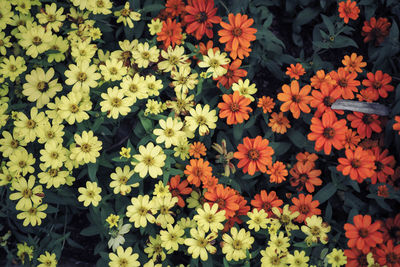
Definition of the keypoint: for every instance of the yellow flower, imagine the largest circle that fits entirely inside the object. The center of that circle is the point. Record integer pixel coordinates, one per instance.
(236, 244)
(53, 155)
(336, 258)
(143, 55)
(24, 252)
(298, 259)
(161, 190)
(47, 260)
(164, 205)
(82, 76)
(21, 162)
(209, 218)
(172, 238)
(120, 178)
(150, 160)
(39, 88)
(9, 144)
(134, 87)
(170, 132)
(115, 103)
(153, 85)
(184, 80)
(182, 104)
(12, 67)
(125, 152)
(52, 177)
(87, 147)
(3, 116)
(99, 6)
(73, 107)
(47, 132)
(112, 220)
(279, 242)
(193, 201)
(123, 258)
(258, 219)
(174, 58)
(286, 218)
(59, 44)
(141, 211)
(153, 107)
(6, 14)
(214, 62)
(52, 17)
(34, 39)
(199, 244)
(154, 249)
(28, 128)
(6, 176)
(27, 193)
(202, 118)
(127, 16)
(272, 259)
(90, 194)
(245, 89)
(155, 26)
(113, 70)
(316, 230)
(182, 149)
(4, 43)
(33, 215)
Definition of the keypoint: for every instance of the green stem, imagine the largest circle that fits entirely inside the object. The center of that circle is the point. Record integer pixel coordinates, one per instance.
(223, 4)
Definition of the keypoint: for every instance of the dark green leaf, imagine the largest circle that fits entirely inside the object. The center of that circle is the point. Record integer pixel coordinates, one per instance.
(325, 193)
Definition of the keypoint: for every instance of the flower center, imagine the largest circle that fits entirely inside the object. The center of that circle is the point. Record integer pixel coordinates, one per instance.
(201, 17)
(328, 101)
(367, 119)
(113, 70)
(201, 120)
(123, 179)
(145, 55)
(253, 154)
(125, 12)
(14, 143)
(142, 211)
(42, 86)
(116, 102)
(51, 18)
(54, 155)
(22, 164)
(133, 88)
(296, 98)
(173, 60)
(36, 40)
(148, 161)
(235, 107)
(214, 63)
(347, 10)
(328, 133)
(237, 244)
(82, 76)
(86, 147)
(30, 124)
(342, 83)
(53, 172)
(123, 262)
(355, 163)
(237, 32)
(221, 203)
(363, 233)
(50, 134)
(266, 206)
(379, 166)
(74, 108)
(315, 230)
(26, 193)
(392, 258)
(169, 132)
(304, 209)
(12, 68)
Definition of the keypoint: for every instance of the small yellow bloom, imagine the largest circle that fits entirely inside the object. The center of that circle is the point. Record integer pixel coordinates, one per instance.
(125, 152)
(90, 194)
(112, 220)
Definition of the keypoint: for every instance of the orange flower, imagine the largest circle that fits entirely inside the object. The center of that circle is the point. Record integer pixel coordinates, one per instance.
(321, 79)
(388, 254)
(201, 17)
(359, 164)
(203, 48)
(254, 155)
(232, 75)
(277, 172)
(234, 108)
(362, 234)
(367, 95)
(328, 132)
(323, 100)
(209, 182)
(348, 10)
(355, 258)
(196, 170)
(225, 197)
(174, 7)
(295, 100)
(237, 34)
(396, 125)
(364, 123)
(266, 201)
(353, 63)
(391, 229)
(375, 30)
(305, 175)
(279, 123)
(266, 103)
(378, 83)
(352, 139)
(307, 157)
(384, 165)
(177, 189)
(241, 52)
(197, 149)
(171, 33)
(383, 191)
(243, 210)
(295, 72)
(306, 206)
(345, 82)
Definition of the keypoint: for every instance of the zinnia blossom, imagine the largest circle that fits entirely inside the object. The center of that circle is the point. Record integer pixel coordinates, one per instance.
(267, 201)
(197, 149)
(201, 17)
(279, 123)
(355, 258)
(384, 165)
(305, 175)
(321, 79)
(295, 71)
(378, 83)
(178, 188)
(196, 170)
(323, 99)
(388, 254)
(327, 132)
(353, 63)
(345, 82)
(375, 30)
(364, 123)
(359, 164)
(396, 125)
(306, 206)
(294, 99)
(254, 155)
(234, 108)
(233, 74)
(225, 197)
(174, 8)
(363, 234)
(237, 34)
(277, 172)
(266, 103)
(391, 229)
(171, 33)
(348, 10)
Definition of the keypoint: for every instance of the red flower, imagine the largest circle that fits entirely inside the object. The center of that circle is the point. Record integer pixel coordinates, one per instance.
(201, 17)
(254, 155)
(391, 229)
(364, 123)
(359, 164)
(209, 182)
(232, 75)
(355, 258)
(177, 189)
(323, 99)
(348, 10)
(345, 82)
(225, 197)
(305, 175)
(388, 254)
(375, 30)
(363, 234)
(384, 165)
(171, 33)
(379, 84)
(196, 170)
(266, 202)
(295, 71)
(174, 7)
(396, 124)
(306, 206)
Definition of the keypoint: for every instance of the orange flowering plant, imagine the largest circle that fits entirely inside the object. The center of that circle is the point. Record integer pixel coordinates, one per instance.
(199, 133)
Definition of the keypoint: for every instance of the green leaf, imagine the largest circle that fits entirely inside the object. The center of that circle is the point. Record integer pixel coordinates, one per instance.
(297, 138)
(90, 231)
(146, 123)
(152, 8)
(325, 193)
(343, 41)
(329, 25)
(305, 16)
(280, 148)
(92, 170)
(238, 131)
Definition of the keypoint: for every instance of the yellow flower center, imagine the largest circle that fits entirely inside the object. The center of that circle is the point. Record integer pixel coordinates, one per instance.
(214, 63)
(123, 262)
(51, 18)
(113, 70)
(173, 60)
(133, 88)
(85, 147)
(169, 132)
(36, 40)
(116, 102)
(14, 143)
(12, 68)
(201, 120)
(42, 86)
(30, 124)
(123, 179)
(22, 164)
(148, 161)
(82, 76)
(53, 172)
(74, 108)
(145, 55)
(237, 244)
(26, 193)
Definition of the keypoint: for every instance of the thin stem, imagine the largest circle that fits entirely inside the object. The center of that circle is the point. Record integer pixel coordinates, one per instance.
(223, 4)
